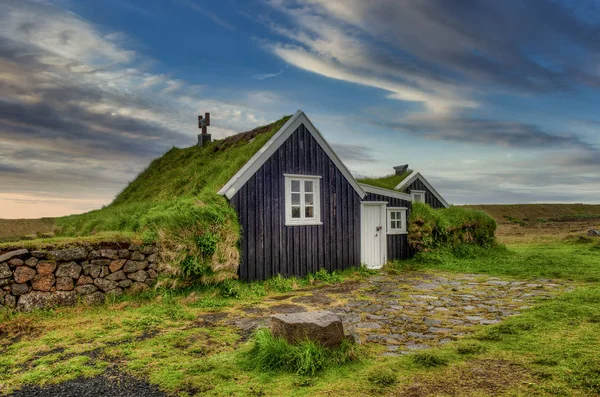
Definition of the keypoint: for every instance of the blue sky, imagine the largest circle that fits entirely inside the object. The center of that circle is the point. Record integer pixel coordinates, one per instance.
(495, 102)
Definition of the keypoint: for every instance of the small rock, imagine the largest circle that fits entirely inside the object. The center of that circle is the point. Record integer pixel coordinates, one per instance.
(42, 282)
(5, 271)
(124, 254)
(95, 298)
(153, 258)
(10, 301)
(148, 249)
(105, 285)
(137, 256)
(125, 283)
(118, 276)
(23, 274)
(38, 254)
(86, 289)
(9, 255)
(488, 322)
(73, 254)
(117, 264)
(94, 270)
(134, 266)
(85, 280)
(152, 273)
(367, 325)
(139, 276)
(115, 292)
(3, 282)
(70, 269)
(15, 262)
(323, 327)
(46, 267)
(100, 262)
(474, 318)
(109, 253)
(19, 289)
(64, 284)
(32, 262)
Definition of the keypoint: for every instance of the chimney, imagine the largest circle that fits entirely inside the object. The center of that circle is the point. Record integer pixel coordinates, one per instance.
(400, 169)
(203, 123)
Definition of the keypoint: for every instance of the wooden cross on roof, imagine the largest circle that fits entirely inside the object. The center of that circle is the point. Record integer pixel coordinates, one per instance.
(204, 122)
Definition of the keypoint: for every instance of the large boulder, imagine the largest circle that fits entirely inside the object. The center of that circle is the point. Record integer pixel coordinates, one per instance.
(43, 300)
(321, 326)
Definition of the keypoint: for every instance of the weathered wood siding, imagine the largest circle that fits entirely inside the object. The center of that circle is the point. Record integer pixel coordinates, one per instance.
(268, 246)
(429, 197)
(397, 244)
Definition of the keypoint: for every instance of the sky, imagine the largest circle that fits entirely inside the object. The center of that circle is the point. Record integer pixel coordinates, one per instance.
(493, 101)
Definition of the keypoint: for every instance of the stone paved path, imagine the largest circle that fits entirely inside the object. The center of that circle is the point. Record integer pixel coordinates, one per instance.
(411, 311)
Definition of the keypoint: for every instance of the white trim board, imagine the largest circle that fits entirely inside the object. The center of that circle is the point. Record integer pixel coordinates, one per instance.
(385, 192)
(417, 175)
(265, 152)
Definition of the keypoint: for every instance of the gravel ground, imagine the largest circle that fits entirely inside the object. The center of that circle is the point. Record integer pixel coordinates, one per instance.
(110, 384)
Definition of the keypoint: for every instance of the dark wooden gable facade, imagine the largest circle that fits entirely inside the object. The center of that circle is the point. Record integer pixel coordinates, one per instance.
(430, 198)
(268, 246)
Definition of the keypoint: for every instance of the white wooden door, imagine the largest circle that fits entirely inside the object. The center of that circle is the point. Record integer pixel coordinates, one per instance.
(373, 241)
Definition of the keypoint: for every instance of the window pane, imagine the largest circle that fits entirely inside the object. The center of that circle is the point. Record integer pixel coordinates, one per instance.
(308, 199)
(295, 185)
(393, 215)
(309, 212)
(392, 224)
(295, 212)
(295, 198)
(308, 186)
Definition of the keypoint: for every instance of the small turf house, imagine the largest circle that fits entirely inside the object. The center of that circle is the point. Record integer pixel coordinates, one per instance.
(301, 210)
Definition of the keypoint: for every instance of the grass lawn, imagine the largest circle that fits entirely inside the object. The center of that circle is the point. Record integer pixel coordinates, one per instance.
(173, 339)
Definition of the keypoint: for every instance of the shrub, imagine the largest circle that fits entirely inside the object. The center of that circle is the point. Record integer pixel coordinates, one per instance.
(429, 360)
(305, 359)
(324, 276)
(453, 227)
(470, 348)
(382, 377)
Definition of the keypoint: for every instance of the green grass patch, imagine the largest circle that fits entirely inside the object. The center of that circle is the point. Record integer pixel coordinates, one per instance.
(385, 182)
(307, 358)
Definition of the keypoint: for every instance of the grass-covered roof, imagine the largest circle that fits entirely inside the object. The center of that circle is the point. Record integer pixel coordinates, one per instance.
(386, 182)
(175, 202)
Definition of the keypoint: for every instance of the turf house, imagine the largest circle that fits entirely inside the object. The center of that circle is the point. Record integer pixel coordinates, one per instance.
(301, 210)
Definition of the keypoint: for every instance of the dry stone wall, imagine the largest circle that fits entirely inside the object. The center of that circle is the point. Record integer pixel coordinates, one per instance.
(61, 277)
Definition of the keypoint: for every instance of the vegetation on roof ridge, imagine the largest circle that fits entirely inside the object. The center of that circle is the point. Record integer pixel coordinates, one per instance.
(174, 202)
(387, 181)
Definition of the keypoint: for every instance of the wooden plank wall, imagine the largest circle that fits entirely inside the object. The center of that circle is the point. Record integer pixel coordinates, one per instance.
(397, 244)
(429, 197)
(268, 246)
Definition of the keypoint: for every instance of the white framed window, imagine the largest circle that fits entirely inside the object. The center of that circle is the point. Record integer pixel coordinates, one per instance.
(418, 196)
(396, 220)
(302, 200)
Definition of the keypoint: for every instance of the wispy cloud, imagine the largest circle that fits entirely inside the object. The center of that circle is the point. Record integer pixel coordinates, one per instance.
(201, 10)
(265, 76)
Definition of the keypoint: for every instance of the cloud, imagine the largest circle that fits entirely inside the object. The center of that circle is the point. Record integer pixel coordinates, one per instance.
(265, 76)
(354, 153)
(80, 113)
(481, 131)
(201, 10)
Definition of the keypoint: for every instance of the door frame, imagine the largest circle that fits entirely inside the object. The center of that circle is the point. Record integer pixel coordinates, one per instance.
(383, 240)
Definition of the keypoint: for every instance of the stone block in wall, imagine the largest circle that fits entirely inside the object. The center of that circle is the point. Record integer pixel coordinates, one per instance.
(64, 284)
(43, 282)
(153, 258)
(84, 280)
(43, 300)
(46, 267)
(134, 266)
(12, 254)
(109, 253)
(148, 249)
(23, 274)
(125, 283)
(4, 281)
(10, 301)
(104, 284)
(19, 289)
(93, 271)
(94, 298)
(100, 262)
(32, 262)
(117, 276)
(69, 269)
(115, 292)
(140, 276)
(15, 262)
(116, 265)
(72, 254)
(137, 256)
(152, 273)
(5, 271)
(124, 254)
(86, 289)
(39, 254)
